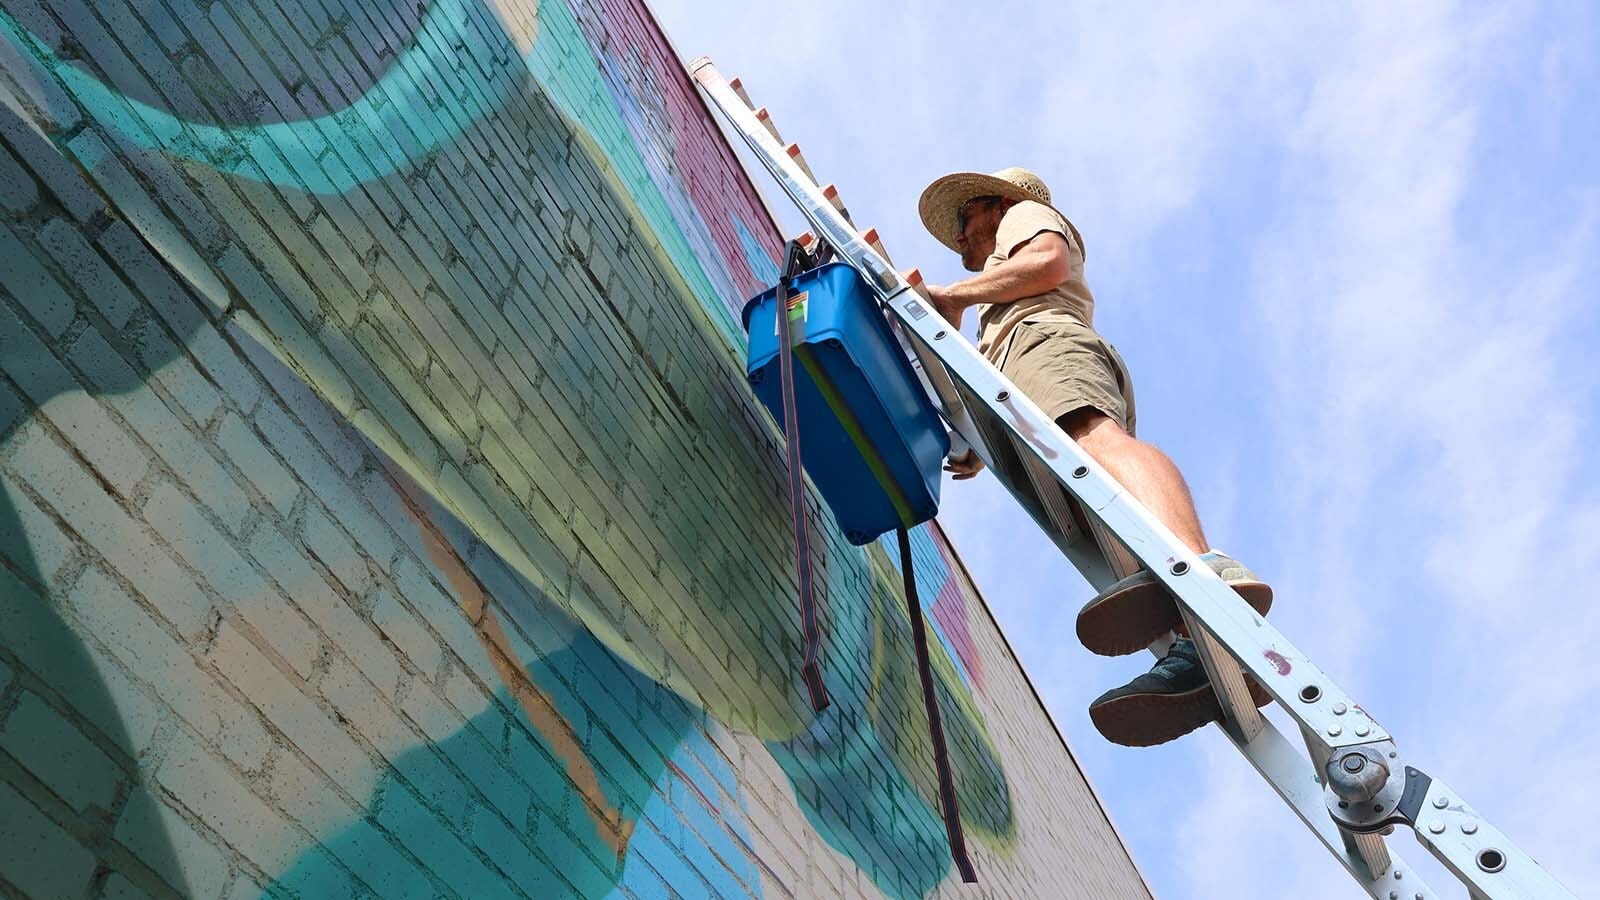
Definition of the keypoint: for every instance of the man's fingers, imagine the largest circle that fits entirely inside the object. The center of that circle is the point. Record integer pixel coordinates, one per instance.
(963, 467)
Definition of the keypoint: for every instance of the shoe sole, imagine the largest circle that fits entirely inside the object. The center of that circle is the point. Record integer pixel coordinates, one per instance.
(1146, 720)
(1130, 619)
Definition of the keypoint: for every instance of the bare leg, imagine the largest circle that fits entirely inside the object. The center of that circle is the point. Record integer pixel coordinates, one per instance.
(1145, 471)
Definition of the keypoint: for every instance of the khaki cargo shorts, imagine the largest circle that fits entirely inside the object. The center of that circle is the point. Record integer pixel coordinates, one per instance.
(1064, 366)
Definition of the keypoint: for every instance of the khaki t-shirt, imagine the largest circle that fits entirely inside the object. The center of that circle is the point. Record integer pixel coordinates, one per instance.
(1071, 298)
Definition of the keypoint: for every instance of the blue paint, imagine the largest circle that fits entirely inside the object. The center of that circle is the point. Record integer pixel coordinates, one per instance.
(373, 136)
(755, 255)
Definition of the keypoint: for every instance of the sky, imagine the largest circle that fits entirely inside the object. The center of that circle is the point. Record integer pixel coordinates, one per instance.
(1350, 254)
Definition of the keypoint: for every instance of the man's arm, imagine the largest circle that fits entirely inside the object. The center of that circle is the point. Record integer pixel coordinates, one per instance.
(1033, 268)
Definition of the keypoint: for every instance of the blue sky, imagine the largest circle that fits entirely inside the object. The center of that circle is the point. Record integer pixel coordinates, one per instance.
(1351, 257)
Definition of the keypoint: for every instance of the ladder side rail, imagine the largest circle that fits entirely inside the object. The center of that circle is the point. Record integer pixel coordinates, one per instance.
(1481, 855)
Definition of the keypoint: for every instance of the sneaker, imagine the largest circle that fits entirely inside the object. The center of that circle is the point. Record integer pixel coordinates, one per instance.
(1167, 702)
(1127, 616)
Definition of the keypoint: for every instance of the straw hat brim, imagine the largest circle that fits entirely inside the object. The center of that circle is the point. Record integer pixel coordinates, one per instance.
(941, 200)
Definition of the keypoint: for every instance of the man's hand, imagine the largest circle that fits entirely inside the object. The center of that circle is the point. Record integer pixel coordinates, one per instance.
(946, 305)
(965, 466)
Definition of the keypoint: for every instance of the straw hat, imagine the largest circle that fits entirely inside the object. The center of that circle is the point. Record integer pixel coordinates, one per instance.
(942, 198)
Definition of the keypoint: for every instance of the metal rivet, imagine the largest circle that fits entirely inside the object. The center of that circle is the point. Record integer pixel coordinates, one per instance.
(1344, 804)
(1377, 807)
(1338, 709)
(1418, 896)
(1398, 874)
(1441, 802)
(1362, 731)
(1310, 693)
(1354, 763)
(1469, 827)
(939, 336)
(1335, 731)
(1002, 396)
(1436, 826)
(1394, 895)
(1180, 567)
(1394, 754)
(1080, 471)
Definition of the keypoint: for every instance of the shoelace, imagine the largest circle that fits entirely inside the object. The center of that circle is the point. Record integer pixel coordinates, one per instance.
(1182, 652)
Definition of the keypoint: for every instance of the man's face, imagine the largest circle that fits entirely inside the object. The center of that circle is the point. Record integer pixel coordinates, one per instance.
(976, 222)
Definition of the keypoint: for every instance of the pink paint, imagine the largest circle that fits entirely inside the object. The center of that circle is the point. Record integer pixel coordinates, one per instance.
(1279, 662)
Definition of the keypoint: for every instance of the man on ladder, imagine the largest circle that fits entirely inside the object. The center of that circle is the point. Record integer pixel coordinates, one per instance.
(1035, 323)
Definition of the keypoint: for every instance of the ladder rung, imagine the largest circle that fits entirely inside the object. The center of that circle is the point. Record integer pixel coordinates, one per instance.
(766, 119)
(1238, 707)
(738, 88)
(831, 192)
(873, 241)
(793, 150)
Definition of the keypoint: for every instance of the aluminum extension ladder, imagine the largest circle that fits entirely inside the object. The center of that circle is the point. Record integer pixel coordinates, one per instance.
(1357, 786)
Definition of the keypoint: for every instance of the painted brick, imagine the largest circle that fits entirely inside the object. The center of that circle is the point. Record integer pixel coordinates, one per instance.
(419, 830)
(36, 855)
(369, 853)
(173, 370)
(244, 888)
(415, 643)
(12, 410)
(175, 305)
(146, 651)
(178, 520)
(143, 213)
(206, 788)
(18, 193)
(59, 755)
(343, 627)
(238, 440)
(148, 826)
(345, 366)
(119, 888)
(381, 725)
(58, 177)
(508, 853)
(108, 530)
(89, 269)
(324, 540)
(283, 703)
(88, 680)
(149, 416)
(38, 546)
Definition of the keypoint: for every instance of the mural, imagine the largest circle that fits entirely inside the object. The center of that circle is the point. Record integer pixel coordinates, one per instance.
(382, 510)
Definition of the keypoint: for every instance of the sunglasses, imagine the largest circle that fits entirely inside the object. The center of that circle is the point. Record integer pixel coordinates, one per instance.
(961, 211)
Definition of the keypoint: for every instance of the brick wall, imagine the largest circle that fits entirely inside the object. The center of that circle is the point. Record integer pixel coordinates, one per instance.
(382, 508)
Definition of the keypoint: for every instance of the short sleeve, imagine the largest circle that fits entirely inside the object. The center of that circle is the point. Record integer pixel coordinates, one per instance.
(1025, 220)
